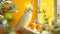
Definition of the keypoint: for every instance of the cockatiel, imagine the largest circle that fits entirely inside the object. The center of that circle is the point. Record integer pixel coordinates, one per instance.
(24, 21)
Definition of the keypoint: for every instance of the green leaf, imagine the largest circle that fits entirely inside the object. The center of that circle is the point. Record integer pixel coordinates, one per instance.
(12, 7)
(10, 20)
(56, 26)
(1, 0)
(11, 11)
(0, 4)
(58, 32)
(7, 16)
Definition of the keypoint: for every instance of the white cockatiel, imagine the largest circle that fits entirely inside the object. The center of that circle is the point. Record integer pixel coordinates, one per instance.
(24, 21)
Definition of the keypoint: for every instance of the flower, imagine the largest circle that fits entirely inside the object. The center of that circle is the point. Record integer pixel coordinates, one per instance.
(4, 22)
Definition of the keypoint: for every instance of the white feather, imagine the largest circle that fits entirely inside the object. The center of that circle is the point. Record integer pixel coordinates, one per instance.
(4, 22)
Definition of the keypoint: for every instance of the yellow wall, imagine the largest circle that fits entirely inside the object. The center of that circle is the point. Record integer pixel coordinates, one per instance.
(48, 6)
(21, 9)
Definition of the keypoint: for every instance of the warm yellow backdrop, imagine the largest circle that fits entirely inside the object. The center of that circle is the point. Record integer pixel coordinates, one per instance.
(48, 6)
